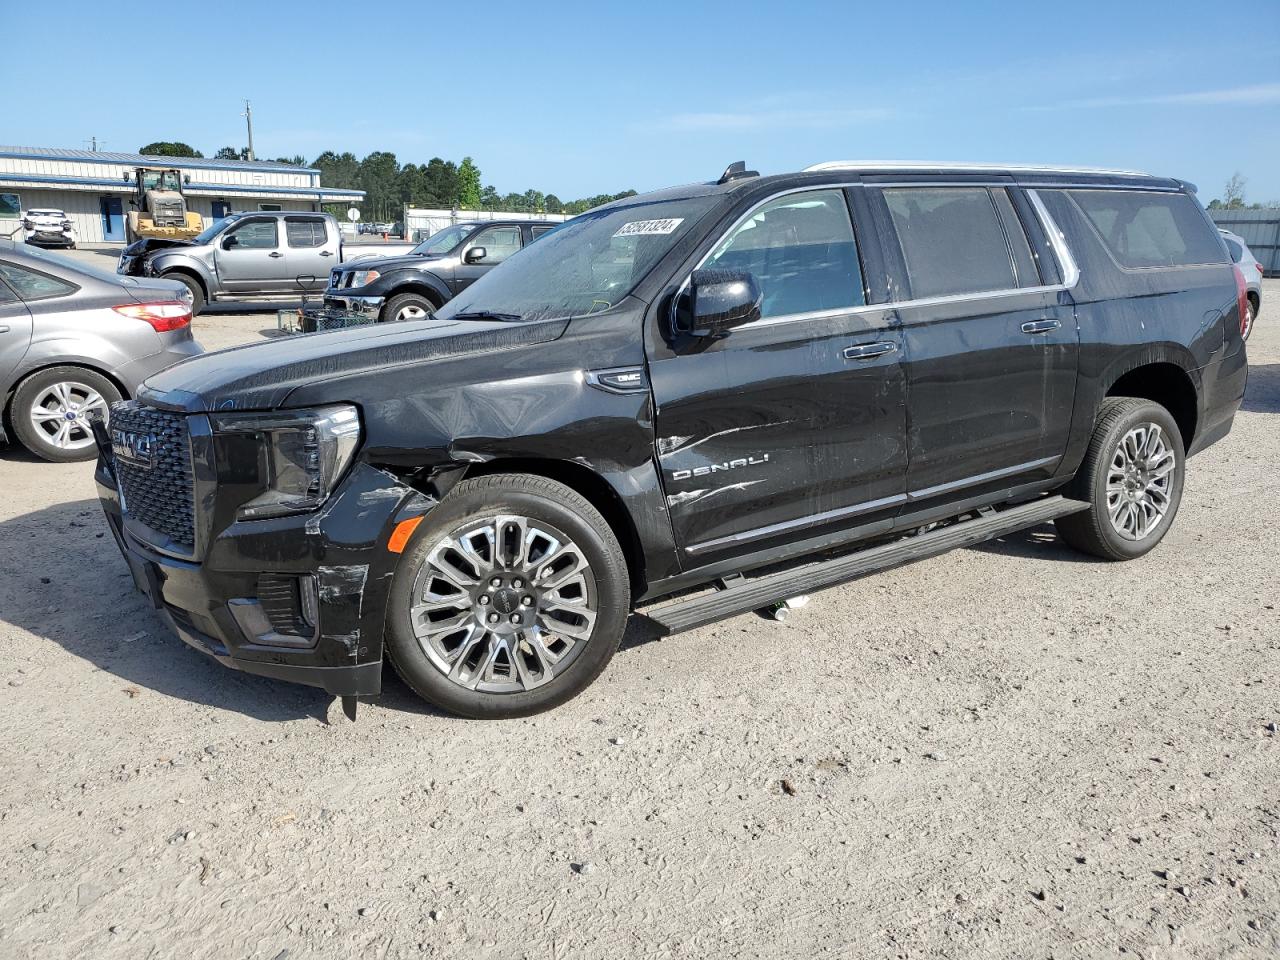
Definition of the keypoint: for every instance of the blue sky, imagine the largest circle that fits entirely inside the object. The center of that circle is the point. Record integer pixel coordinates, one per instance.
(579, 99)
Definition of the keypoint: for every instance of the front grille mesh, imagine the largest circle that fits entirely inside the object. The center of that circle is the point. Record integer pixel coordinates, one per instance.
(161, 497)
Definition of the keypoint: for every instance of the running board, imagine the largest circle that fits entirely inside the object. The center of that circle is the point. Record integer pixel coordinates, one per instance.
(753, 594)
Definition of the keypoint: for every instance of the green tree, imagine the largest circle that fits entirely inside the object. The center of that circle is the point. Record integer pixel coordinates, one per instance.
(469, 196)
(170, 148)
(230, 153)
(1233, 192)
(553, 204)
(489, 198)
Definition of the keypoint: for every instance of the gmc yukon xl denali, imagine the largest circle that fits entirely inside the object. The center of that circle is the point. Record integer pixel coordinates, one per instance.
(695, 403)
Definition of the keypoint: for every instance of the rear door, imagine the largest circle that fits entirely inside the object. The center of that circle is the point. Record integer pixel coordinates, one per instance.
(991, 343)
(251, 259)
(794, 424)
(311, 247)
(499, 242)
(15, 327)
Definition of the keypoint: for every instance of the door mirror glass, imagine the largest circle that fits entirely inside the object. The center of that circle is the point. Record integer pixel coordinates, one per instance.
(475, 255)
(719, 300)
(230, 241)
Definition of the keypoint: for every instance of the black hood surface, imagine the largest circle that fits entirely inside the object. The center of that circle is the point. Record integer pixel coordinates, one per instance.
(260, 376)
(387, 264)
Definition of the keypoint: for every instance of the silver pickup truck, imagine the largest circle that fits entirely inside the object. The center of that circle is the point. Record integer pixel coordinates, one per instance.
(251, 256)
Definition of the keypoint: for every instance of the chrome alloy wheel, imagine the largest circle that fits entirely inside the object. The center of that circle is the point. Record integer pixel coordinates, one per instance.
(1139, 481)
(61, 412)
(412, 311)
(1250, 314)
(503, 604)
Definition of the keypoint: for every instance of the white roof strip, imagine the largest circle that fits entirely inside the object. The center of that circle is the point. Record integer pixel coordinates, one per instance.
(953, 165)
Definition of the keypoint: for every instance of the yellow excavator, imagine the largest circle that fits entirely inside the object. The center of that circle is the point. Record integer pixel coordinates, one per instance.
(159, 208)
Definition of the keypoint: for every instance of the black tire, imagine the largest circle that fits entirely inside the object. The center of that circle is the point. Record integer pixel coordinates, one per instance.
(406, 301)
(1092, 531)
(1251, 315)
(41, 440)
(543, 501)
(192, 284)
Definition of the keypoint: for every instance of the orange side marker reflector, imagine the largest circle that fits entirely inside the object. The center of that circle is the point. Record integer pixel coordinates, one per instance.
(401, 534)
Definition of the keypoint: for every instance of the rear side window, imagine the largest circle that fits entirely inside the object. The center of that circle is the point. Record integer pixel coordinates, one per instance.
(32, 285)
(305, 233)
(801, 250)
(1236, 251)
(954, 242)
(1149, 229)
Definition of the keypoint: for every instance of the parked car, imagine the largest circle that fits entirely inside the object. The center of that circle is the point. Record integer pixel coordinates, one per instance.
(246, 257)
(49, 227)
(716, 396)
(1250, 266)
(73, 341)
(412, 286)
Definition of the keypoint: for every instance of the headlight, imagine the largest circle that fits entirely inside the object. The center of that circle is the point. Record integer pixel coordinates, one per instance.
(302, 455)
(362, 278)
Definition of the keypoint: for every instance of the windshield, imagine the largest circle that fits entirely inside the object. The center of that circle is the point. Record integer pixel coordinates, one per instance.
(440, 243)
(585, 265)
(208, 233)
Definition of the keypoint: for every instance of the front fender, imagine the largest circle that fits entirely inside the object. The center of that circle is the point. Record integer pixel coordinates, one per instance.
(399, 281)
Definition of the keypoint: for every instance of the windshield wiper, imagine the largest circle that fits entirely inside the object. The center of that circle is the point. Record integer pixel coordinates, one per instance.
(487, 315)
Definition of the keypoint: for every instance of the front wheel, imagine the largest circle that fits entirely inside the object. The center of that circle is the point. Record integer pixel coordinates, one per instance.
(193, 285)
(510, 599)
(1131, 478)
(51, 411)
(407, 306)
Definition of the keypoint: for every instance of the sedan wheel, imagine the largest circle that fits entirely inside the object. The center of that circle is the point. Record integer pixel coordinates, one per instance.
(52, 412)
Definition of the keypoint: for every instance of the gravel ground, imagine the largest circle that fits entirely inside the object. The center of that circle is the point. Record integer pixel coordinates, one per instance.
(1010, 751)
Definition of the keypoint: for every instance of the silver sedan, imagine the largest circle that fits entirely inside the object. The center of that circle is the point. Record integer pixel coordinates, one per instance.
(73, 340)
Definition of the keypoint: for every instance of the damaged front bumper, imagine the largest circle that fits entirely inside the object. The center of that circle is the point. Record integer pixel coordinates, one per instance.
(300, 598)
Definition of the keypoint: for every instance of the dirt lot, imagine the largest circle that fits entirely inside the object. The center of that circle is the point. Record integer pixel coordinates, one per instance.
(1010, 751)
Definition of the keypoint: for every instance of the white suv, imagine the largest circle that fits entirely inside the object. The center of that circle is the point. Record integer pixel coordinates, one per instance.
(49, 227)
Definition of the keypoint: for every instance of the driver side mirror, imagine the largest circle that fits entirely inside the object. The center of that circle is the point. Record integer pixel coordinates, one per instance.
(719, 300)
(475, 255)
(230, 241)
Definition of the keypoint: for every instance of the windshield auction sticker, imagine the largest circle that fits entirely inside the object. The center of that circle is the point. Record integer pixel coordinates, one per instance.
(649, 228)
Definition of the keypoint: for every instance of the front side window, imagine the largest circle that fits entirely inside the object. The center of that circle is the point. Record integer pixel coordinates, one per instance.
(304, 233)
(498, 242)
(31, 285)
(952, 240)
(800, 248)
(1149, 229)
(442, 241)
(1236, 251)
(254, 235)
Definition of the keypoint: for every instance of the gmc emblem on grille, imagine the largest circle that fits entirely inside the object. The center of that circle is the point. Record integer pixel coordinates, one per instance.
(135, 449)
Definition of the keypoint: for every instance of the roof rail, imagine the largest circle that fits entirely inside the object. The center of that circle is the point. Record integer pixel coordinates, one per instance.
(953, 165)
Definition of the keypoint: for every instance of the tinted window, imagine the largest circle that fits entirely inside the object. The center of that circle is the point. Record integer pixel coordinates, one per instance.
(498, 242)
(31, 285)
(1023, 263)
(6, 295)
(305, 233)
(801, 249)
(952, 240)
(1149, 229)
(1234, 249)
(539, 231)
(254, 235)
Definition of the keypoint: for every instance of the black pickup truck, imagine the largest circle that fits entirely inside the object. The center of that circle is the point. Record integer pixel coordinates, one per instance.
(698, 402)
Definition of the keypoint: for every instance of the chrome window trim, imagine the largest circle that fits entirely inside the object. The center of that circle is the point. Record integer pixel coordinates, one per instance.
(1057, 240)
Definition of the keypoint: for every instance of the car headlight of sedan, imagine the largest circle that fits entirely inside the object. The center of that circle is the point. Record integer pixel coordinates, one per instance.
(301, 455)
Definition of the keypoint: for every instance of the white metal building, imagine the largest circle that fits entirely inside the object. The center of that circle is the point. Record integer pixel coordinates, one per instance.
(95, 188)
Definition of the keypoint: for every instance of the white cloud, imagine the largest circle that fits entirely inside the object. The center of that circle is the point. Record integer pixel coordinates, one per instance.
(1262, 93)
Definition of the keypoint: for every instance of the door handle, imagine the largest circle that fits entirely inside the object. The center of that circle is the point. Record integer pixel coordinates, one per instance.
(869, 351)
(1041, 326)
(4, 329)
(326, 253)
(275, 254)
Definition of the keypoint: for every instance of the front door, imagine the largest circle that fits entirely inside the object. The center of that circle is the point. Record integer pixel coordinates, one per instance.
(991, 343)
(793, 425)
(250, 258)
(112, 210)
(498, 243)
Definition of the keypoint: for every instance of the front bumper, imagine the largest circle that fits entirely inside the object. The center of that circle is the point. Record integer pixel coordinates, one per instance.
(364, 306)
(214, 605)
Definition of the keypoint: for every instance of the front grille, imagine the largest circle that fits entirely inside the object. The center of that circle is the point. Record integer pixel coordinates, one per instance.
(157, 495)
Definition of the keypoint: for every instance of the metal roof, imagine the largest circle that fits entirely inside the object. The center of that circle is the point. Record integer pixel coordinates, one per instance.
(955, 166)
(140, 160)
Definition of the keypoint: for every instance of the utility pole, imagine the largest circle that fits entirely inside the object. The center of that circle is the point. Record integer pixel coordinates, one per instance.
(248, 119)
(93, 144)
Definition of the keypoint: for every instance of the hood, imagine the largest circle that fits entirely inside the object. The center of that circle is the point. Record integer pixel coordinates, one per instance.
(151, 244)
(260, 376)
(387, 264)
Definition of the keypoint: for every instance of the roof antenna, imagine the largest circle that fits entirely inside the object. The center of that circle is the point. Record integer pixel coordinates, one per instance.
(736, 171)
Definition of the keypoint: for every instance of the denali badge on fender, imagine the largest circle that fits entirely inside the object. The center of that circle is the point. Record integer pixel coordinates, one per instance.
(132, 448)
(717, 467)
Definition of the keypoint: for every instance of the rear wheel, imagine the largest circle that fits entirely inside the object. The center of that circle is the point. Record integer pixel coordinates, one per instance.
(407, 306)
(1131, 478)
(511, 598)
(51, 411)
(1250, 314)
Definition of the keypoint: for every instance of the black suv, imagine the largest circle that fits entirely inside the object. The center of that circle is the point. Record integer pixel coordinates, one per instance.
(447, 262)
(727, 394)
